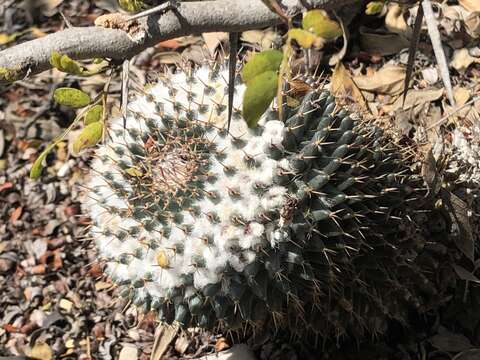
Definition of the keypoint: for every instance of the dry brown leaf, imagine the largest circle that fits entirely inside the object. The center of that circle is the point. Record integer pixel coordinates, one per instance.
(168, 57)
(388, 80)
(222, 344)
(395, 21)
(48, 7)
(472, 354)
(415, 98)
(470, 5)
(213, 39)
(472, 24)
(164, 335)
(182, 343)
(41, 351)
(343, 85)
(128, 352)
(459, 211)
(263, 38)
(381, 43)
(462, 60)
(461, 95)
(16, 214)
(448, 341)
(464, 274)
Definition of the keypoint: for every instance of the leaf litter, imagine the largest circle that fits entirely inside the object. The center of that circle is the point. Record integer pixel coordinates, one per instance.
(55, 301)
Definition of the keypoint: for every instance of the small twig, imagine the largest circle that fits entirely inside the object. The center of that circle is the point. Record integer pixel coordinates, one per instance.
(164, 5)
(443, 119)
(67, 22)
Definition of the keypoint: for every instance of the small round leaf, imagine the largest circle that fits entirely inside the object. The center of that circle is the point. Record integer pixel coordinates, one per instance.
(258, 96)
(132, 6)
(94, 114)
(318, 22)
(71, 97)
(304, 38)
(36, 169)
(268, 60)
(90, 136)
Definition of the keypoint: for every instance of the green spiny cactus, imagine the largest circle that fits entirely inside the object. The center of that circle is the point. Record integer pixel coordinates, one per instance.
(301, 222)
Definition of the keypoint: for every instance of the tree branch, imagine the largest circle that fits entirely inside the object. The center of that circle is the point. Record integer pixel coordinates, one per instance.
(32, 57)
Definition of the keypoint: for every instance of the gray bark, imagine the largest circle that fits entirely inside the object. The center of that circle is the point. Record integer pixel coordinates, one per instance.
(32, 57)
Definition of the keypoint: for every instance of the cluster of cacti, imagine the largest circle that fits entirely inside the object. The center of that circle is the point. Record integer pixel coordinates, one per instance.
(303, 222)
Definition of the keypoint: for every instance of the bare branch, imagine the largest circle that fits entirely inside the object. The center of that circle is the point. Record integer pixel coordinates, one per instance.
(32, 57)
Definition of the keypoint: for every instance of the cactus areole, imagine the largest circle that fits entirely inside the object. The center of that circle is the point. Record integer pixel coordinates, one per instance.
(293, 222)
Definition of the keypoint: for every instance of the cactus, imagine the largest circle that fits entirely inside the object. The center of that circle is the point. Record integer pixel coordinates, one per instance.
(301, 223)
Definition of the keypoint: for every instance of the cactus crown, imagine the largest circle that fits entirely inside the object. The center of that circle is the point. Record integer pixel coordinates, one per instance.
(214, 226)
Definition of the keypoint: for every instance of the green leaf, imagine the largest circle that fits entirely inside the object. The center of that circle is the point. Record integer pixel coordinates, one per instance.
(90, 136)
(132, 6)
(374, 7)
(70, 66)
(66, 64)
(94, 114)
(71, 97)
(318, 22)
(268, 60)
(258, 96)
(304, 38)
(55, 60)
(37, 167)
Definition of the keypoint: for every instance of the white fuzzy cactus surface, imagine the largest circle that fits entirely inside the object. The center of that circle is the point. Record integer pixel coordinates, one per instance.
(202, 202)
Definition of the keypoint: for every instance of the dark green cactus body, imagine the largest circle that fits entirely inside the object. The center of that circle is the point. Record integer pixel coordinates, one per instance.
(334, 254)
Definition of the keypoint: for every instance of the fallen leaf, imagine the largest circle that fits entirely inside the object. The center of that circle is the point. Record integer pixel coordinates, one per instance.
(462, 60)
(395, 21)
(222, 344)
(379, 42)
(164, 335)
(128, 352)
(6, 186)
(470, 5)
(472, 24)
(261, 38)
(450, 342)
(7, 38)
(459, 211)
(66, 305)
(472, 354)
(38, 33)
(16, 214)
(213, 39)
(41, 351)
(388, 80)
(169, 44)
(343, 85)
(415, 98)
(464, 274)
(182, 343)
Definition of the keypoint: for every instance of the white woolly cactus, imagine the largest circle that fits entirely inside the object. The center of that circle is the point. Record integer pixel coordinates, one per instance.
(287, 221)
